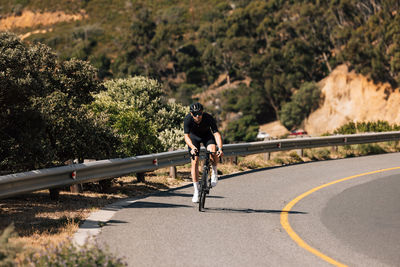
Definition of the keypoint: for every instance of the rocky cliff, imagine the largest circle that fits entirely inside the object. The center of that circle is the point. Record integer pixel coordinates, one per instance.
(352, 97)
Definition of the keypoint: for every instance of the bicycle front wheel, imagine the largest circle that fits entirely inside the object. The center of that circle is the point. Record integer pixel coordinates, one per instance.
(203, 190)
(202, 200)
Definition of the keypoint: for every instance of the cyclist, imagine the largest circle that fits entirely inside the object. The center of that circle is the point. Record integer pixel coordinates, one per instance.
(201, 127)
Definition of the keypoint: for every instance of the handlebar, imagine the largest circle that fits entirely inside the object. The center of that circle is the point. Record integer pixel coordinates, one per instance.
(208, 153)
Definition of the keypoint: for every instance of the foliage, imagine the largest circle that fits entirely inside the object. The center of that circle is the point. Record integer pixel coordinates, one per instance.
(9, 250)
(140, 116)
(295, 158)
(370, 149)
(320, 154)
(247, 100)
(187, 45)
(364, 127)
(244, 129)
(43, 119)
(67, 254)
(303, 102)
(15, 253)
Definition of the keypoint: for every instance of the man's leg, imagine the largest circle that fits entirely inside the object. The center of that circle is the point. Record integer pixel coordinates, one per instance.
(214, 172)
(194, 170)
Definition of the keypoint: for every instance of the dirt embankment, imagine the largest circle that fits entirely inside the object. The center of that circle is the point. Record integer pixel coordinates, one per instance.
(29, 19)
(348, 96)
(352, 97)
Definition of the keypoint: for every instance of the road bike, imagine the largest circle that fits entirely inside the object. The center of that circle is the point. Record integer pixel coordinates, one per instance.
(205, 182)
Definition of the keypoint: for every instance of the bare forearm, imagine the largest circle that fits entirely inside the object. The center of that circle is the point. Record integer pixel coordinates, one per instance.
(218, 139)
(189, 141)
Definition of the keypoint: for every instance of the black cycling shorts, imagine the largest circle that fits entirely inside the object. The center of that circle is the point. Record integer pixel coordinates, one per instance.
(197, 141)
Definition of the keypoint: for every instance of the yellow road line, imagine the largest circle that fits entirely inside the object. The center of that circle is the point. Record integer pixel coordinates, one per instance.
(285, 216)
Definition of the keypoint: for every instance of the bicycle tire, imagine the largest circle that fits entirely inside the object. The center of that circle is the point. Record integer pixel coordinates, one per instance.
(203, 189)
(202, 200)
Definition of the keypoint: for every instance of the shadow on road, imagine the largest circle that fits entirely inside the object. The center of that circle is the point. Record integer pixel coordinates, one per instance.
(146, 205)
(90, 224)
(232, 210)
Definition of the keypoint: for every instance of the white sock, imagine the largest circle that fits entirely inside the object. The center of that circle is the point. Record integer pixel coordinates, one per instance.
(196, 186)
(214, 169)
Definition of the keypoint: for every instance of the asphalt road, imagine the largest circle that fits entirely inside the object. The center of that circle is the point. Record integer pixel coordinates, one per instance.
(355, 222)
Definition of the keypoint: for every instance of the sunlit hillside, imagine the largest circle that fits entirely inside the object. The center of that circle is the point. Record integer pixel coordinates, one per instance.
(252, 62)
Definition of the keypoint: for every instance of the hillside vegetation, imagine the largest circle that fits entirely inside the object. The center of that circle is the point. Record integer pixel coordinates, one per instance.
(273, 46)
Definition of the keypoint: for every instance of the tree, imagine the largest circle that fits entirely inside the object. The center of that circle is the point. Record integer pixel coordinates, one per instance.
(304, 101)
(140, 116)
(244, 129)
(43, 117)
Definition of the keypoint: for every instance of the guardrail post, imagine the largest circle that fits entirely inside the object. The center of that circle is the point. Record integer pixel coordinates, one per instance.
(76, 188)
(172, 169)
(54, 193)
(105, 185)
(231, 160)
(140, 177)
(172, 172)
(267, 156)
(300, 152)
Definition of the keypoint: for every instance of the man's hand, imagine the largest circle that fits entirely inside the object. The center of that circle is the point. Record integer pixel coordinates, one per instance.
(220, 153)
(194, 151)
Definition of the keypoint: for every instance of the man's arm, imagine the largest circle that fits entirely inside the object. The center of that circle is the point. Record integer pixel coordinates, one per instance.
(218, 139)
(189, 142)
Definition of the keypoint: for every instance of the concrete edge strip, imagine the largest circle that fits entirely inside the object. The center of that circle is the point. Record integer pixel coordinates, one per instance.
(93, 224)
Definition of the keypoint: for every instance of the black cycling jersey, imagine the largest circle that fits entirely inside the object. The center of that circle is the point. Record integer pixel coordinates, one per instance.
(204, 128)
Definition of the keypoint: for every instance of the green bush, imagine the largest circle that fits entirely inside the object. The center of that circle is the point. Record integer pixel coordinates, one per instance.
(138, 113)
(9, 250)
(304, 101)
(364, 127)
(295, 158)
(279, 161)
(67, 254)
(44, 120)
(244, 129)
(319, 154)
(370, 149)
(14, 253)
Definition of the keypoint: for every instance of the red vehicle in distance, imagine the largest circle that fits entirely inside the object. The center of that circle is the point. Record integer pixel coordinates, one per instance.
(298, 133)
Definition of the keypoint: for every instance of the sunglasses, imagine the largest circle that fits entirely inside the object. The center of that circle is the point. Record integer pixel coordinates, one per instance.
(198, 113)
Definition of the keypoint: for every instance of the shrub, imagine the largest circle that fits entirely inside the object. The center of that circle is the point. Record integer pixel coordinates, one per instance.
(364, 127)
(302, 104)
(67, 254)
(138, 113)
(371, 149)
(9, 250)
(294, 157)
(279, 161)
(14, 253)
(244, 129)
(319, 154)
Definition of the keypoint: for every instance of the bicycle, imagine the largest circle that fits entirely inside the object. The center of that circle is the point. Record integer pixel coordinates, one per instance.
(205, 182)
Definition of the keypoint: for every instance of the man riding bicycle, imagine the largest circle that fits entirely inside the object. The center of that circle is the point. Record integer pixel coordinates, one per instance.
(201, 127)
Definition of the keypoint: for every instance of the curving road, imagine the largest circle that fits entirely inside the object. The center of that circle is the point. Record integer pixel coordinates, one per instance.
(353, 222)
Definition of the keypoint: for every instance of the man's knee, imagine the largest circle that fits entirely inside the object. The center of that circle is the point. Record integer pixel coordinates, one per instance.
(212, 148)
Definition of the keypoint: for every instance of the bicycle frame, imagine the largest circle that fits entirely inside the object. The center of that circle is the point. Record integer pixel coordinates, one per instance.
(205, 182)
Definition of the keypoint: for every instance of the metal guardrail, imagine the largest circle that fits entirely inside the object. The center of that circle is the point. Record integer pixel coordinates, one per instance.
(19, 183)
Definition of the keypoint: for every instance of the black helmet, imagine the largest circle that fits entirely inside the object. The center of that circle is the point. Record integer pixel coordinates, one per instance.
(196, 107)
